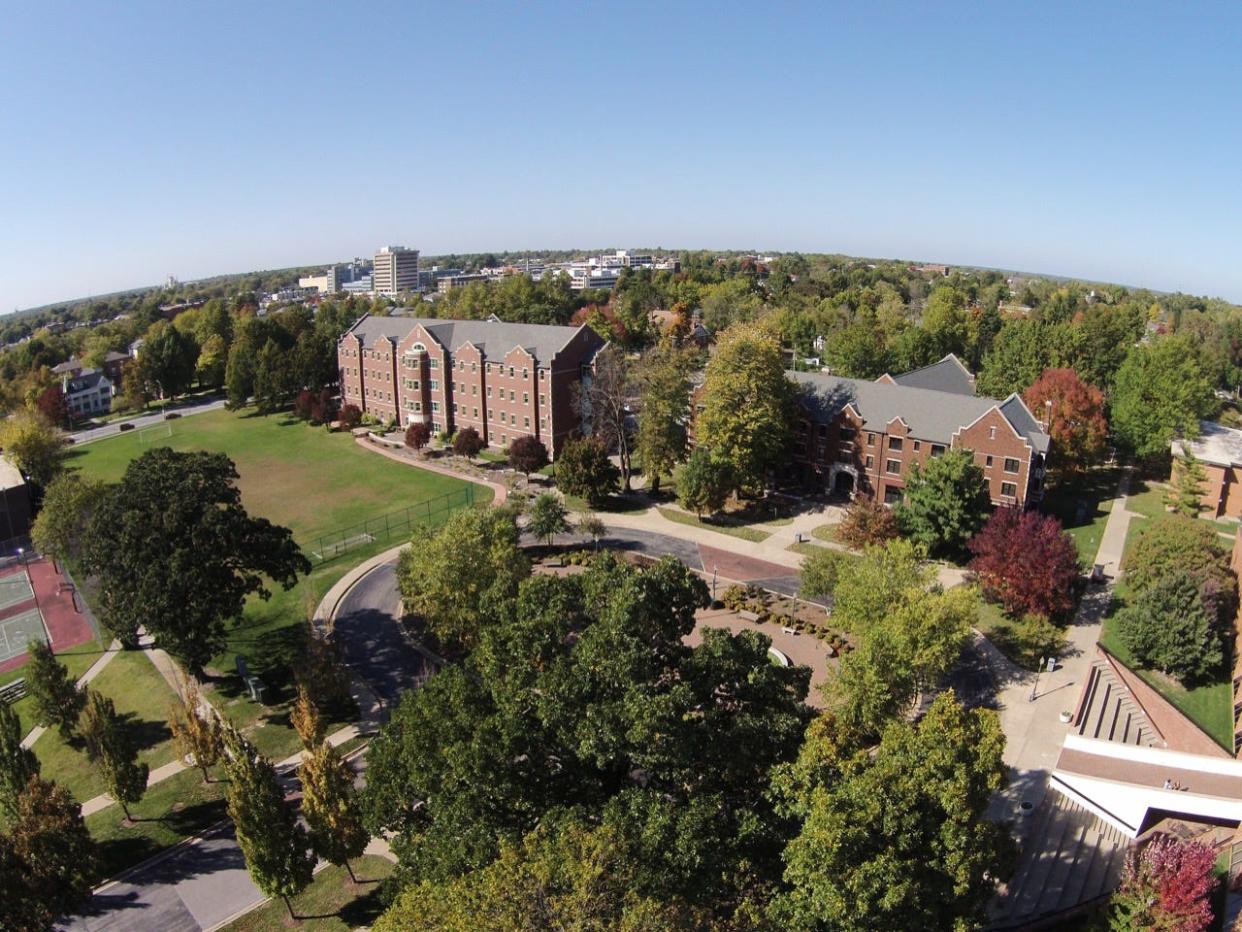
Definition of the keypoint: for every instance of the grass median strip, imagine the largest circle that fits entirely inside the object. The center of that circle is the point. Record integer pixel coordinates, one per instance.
(744, 532)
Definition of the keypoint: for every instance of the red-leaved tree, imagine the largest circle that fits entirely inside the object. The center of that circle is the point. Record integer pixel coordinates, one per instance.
(51, 404)
(302, 404)
(1074, 413)
(1024, 560)
(1167, 884)
(351, 416)
(417, 435)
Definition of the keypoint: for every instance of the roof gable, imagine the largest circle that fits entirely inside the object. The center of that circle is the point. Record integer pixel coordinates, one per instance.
(947, 375)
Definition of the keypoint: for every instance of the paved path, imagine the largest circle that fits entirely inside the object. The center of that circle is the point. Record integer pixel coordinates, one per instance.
(144, 420)
(1033, 730)
(91, 672)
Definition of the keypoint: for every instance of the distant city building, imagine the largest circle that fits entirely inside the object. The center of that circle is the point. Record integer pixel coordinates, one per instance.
(395, 270)
(335, 277)
(933, 268)
(604, 271)
(87, 394)
(449, 282)
(360, 285)
(505, 380)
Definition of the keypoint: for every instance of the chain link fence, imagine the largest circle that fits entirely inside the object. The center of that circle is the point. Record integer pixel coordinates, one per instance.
(429, 514)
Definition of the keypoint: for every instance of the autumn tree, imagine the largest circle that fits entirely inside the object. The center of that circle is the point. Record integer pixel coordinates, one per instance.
(111, 747)
(196, 731)
(1166, 884)
(747, 404)
(662, 381)
(275, 846)
(467, 442)
(306, 718)
(1024, 560)
(604, 401)
(1074, 413)
(866, 522)
(17, 764)
(946, 502)
(418, 435)
(1185, 496)
(57, 700)
(704, 481)
(527, 454)
(350, 416)
(330, 807)
(585, 470)
(34, 444)
(51, 405)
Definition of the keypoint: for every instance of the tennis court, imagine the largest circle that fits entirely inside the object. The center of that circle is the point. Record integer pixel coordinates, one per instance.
(15, 589)
(16, 631)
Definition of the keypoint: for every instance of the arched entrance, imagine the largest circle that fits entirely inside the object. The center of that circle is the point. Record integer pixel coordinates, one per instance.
(842, 480)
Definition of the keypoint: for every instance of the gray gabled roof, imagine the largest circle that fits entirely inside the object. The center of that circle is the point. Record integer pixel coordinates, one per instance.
(492, 336)
(86, 380)
(948, 375)
(930, 415)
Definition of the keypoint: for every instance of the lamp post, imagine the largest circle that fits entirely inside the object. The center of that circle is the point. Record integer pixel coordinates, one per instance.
(1035, 685)
(713, 583)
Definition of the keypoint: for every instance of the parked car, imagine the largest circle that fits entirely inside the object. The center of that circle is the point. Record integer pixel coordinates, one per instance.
(172, 415)
(127, 426)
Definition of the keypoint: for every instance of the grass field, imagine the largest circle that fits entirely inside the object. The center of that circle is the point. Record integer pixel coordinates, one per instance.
(1083, 509)
(332, 901)
(722, 526)
(76, 660)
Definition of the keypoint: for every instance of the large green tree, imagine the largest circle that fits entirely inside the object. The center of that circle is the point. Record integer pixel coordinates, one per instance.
(175, 550)
(1160, 392)
(946, 503)
(17, 764)
(704, 481)
(169, 357)
(459, 579)
(583, 468)
(1167, 626)
(868, 588)
(899, 840)
(56, 698)
(68, 504)
(662, 378)
(1176, 544)
(747, 404)
(34, 444)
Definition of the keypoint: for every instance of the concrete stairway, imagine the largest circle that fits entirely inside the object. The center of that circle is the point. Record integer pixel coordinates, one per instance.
(1110, 713)
(1071, 857)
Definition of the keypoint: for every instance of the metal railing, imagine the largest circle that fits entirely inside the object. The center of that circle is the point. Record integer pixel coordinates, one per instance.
(432, 513)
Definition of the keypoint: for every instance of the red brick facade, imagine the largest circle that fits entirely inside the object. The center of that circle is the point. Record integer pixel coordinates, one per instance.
(401, 369)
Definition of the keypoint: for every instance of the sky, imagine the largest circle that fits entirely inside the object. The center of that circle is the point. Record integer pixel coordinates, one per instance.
(1093, 140)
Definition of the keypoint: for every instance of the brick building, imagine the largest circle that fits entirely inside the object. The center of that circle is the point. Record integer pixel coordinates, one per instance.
(504, 380)
(864, 437)
(1219, 450)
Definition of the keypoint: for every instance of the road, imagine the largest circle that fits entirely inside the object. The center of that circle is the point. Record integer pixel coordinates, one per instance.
(144, 420)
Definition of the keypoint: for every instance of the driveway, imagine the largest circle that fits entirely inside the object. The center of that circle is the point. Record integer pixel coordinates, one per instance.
(145, 420)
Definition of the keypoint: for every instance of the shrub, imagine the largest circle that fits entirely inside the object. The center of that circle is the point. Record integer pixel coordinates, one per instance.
(704, 482)
(302, 404)
(527, 454)
(467, 442)
(585, 470)
(417, 435)
(866, 522)
(351, 416)
(1168, 627)
(1026, 562)
(1175, 543)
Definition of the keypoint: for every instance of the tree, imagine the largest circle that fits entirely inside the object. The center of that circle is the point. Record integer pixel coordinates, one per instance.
(467, 442)
(1074, 413)
(306, 719)
(946, 321)
(137, 387)
(196, 732)
(1167, 884)
(868, 588)
(820, 568)
(1160, 393)
(584, 469)
(704, 482)
(1024, 560)
(239, 373)
(169, 358)
(592, 526)
(604, 403)
(527, 454)
(1021, 351)
(51, 404)
(57, 701)
(17, 764)
(866, 522)
(747, 404)
(1189, 484)
(35, 445)
(662, 380)
(900, 840)
(175, 550)
(52, 857)
(274, 377)
(110, 746)
(418, 435)
(350, 416)
(946, 502)
(460, 577)
(274, 844)
(1174, 544)
(68, 504)
(212, 363)
(1168, 627)
(330, 807)
(858, 351)
(547, 517)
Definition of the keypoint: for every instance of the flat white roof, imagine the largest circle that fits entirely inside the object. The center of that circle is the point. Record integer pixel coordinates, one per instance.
(1215, 444)
(10, 475)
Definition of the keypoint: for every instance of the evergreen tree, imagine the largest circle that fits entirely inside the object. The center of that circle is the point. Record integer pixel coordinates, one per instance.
(17, 764)
(56, 698)
(110, 746)
(274, 844)
(331, 808)
(1189, 484)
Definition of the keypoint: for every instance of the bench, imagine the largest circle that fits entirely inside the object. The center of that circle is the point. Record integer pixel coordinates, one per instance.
(13, 691)
(748, 616)
(788, 631)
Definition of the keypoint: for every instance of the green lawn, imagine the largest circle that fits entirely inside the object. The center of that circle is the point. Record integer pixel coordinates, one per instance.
(721, 526)
(76, 660)
(825, 532)
(1083, 509)
(1147, 499)
(332, 901)
(142, 696)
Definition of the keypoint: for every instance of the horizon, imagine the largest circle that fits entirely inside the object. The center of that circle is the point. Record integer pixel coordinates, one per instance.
(1094, 144)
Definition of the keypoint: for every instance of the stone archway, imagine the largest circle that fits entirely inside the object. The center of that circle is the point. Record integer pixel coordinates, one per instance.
(842, 480)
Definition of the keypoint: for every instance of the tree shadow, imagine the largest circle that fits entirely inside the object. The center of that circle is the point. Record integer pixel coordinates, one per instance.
(146, 733)
(363, 911)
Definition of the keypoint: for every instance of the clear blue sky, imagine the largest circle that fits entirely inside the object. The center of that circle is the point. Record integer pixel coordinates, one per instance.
(142, 139)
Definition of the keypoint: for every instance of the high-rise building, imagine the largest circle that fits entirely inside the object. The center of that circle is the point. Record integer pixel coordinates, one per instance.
(396, 269)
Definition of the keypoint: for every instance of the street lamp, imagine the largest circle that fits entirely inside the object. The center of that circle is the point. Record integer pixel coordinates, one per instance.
(1035, 685)
(713, 583)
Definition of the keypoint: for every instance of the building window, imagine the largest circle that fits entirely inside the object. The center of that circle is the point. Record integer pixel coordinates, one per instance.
(870, 462)
(527, 422)
(543, 374)
(991, 433)
(988, 462)
(434, 363)
(847, 433)
(489, 415)
(1009, 490)
(543, 401)
(474, 389)
(895, 443)
(433, 384)
(892, 495)
(525, 398)
(512, 395)
(510, 372)
(893, 467)
(525, 374)
(937, 449)
(917, 446)
(870, 440)
(1011, 464)
(435, 406)
(476, 414)
(489, 391)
